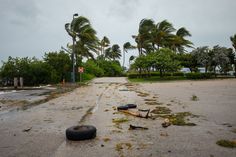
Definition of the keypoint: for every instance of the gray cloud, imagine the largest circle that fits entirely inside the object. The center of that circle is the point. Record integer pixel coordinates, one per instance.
(31, 27)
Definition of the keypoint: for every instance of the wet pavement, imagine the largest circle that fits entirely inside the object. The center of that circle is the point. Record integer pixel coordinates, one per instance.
(96, 104)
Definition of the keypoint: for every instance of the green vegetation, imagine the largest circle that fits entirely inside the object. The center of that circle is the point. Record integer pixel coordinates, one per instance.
(120, 120)
(179, 119)
(226, 143)
(161, 110)
(161, 55)
(194, 98)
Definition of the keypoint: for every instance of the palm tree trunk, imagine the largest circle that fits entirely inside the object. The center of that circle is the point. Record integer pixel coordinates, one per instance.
(123, 58)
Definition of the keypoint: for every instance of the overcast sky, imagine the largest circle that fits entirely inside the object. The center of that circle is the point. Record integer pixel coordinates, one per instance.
(33, 27)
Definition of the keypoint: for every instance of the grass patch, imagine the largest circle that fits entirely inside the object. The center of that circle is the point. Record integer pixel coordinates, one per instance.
(179, 119)
(120, 146)
(161, 110)
(120, 120)
(194, 98)
(226, 143)
(149, 99)
(153, 103)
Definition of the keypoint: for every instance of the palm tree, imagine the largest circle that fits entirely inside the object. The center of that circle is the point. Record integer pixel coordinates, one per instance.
(178, 41)
(161, 35)
(127, 46)
(131, 58)
(143, 39)
(113, 52)
(233, 40)
(105, 42)
(87, 41)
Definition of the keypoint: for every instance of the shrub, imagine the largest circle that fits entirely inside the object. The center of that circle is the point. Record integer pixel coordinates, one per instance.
(92, 68)
(199, 75)
(86, 76)
(178, 74)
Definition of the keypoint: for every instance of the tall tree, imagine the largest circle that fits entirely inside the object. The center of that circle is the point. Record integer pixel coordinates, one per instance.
(178, 41)
(143, 39)
(162, 33)
(127, 46)
(233, 40)
(105, 42)
(113, 52)
(202, 54)
(87, 41)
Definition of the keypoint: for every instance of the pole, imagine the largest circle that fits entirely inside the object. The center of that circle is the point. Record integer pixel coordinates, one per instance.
(80, 75)
(73, 61)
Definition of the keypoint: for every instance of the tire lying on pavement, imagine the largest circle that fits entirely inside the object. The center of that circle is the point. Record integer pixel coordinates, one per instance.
(131, 105)
(122, 108)
(83, 132)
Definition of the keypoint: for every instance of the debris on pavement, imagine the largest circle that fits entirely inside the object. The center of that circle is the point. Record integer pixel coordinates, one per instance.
(120, 120)
(136, 113)
(227, 143)
(27, 130)
(106, 139)
(179, 118)
(161, 110)
(164, 134)
(166, 123)
(132, 127)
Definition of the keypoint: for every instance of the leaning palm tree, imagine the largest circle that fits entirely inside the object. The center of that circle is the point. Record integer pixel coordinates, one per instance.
(105, 42)
(178, 41)
(87, 41)
(233, 40)
(143, 39)
(127, 46)
(131, 58)
(162, 33)
(113, 52)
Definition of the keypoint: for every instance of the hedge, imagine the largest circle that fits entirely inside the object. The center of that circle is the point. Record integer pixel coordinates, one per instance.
(199, 75)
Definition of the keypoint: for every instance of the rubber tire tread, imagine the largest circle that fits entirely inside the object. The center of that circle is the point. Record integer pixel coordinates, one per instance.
(83, 132)
(131, 106)
(122, 108)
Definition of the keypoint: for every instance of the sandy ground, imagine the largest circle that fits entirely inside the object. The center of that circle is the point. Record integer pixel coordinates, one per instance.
(94, 104)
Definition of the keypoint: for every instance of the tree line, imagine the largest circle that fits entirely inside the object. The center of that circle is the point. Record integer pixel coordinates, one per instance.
(160, 46)
(163, 48)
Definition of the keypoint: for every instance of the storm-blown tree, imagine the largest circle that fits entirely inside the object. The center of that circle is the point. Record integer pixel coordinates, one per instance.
(113, 52)
(127, 46)
(233, 61)
(85, 36)
(153, 36)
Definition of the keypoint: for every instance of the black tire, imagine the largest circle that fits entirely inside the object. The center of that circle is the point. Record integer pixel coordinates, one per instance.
(122, 108)
(131, 105)
(83, 132)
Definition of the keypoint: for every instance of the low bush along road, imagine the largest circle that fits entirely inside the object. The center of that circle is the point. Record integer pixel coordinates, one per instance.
(200, 113)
